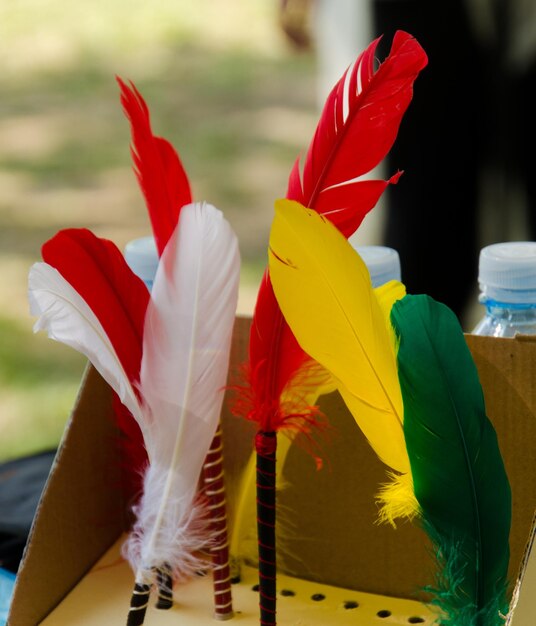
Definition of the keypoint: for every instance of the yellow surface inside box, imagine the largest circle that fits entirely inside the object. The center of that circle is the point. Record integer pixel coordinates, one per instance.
(330, 543)
(103, 595)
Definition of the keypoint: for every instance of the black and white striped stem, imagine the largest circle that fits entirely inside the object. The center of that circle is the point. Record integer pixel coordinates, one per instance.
(164, 582)
(265, 446)
(215, 490)
(142, 592)
(138, 604)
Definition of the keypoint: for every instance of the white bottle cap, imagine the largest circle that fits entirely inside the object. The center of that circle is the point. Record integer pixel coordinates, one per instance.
(507, 272)
(142, 258)
(383, 263)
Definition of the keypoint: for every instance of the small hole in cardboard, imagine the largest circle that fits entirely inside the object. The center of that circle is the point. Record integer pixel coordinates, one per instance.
(351, 604)
(287, 592)
(317, 597)
(416, 620)
(383, 613)
(255, 588)
(235, 580)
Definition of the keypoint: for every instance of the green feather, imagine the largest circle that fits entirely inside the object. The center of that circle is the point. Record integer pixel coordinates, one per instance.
(458, 473)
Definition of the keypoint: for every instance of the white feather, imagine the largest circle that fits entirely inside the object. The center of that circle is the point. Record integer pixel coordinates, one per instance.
(186, 347)
(67, 318)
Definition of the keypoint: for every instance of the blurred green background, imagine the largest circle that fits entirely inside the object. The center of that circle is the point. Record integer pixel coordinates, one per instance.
(223, 85)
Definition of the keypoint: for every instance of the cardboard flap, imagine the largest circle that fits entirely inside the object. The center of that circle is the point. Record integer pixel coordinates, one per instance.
(81, 512)
(507, 371)
(523, 605)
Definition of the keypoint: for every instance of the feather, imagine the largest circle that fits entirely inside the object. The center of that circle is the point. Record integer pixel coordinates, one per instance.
(357, 127)
(186, 348)
(458, 472)
(322, 283)
(166, 188)
(157, 166)
(453, 465)
(346, 142)
(177, 392)
(97, 271)
(68, 318)
(356, 130)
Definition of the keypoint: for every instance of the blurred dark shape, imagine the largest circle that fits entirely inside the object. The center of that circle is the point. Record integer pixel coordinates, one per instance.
(471, 124)
(21, 483)
(295, 21)
(470, 114)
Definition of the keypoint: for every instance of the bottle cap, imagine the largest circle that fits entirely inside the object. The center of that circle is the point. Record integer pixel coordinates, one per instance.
(142, 258)
(507, 272)
(383, 263)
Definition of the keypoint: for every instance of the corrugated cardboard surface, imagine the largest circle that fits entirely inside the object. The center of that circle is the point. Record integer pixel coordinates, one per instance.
(327, 517)
(81, 512)
(507, 370)
(523, 607)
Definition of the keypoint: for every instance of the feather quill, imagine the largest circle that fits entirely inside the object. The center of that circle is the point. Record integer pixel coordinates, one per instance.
(322, 283)
(458, 472)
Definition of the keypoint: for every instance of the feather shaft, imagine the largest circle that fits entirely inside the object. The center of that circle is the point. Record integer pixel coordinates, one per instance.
(213, 478)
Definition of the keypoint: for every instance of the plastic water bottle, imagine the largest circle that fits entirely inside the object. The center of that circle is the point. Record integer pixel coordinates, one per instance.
(142, 258)
(383, 263)
(507, 281)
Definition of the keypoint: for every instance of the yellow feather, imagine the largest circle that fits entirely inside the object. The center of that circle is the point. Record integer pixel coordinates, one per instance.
(324, 290)
(387, 295)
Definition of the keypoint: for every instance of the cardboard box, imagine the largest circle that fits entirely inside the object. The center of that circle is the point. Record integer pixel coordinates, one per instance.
(328, 516)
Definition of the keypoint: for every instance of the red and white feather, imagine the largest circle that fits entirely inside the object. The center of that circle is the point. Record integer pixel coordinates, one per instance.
(183, 371)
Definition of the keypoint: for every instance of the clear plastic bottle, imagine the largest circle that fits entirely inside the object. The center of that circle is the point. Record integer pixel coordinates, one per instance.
(142, 258)
(383, 263)
(507, 281)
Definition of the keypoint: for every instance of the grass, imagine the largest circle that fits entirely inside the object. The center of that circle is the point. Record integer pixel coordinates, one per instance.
(222, 85)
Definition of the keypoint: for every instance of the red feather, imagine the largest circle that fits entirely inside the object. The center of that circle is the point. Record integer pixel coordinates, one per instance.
(158, 168)
(357, 128)
(97, 270)
(131, 454)
(166, 188)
